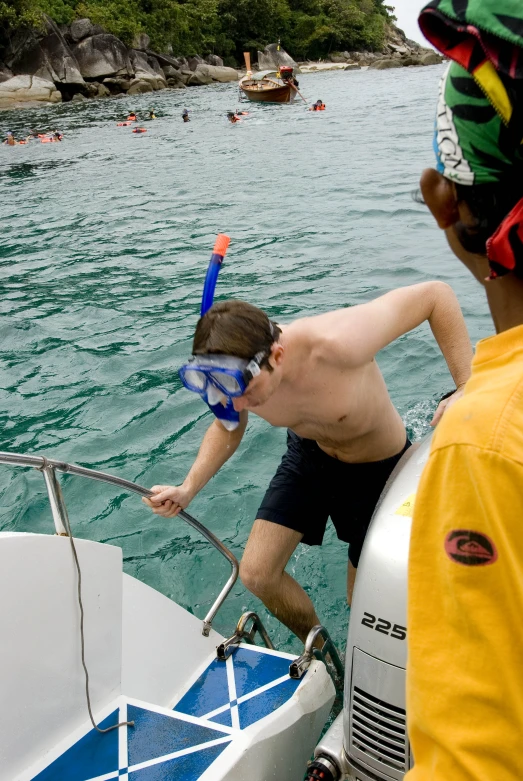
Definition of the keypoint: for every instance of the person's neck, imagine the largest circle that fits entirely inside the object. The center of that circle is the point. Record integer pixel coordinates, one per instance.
(291, 363)
(505, 300)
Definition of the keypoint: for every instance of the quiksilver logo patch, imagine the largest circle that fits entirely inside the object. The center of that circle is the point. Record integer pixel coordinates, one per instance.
(471, 548)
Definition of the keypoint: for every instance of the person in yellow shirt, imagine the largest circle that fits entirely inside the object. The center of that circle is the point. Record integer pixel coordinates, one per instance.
(465, 609)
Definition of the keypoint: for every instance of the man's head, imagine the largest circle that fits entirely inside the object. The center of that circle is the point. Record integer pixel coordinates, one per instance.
(241, 330)
(479, 128)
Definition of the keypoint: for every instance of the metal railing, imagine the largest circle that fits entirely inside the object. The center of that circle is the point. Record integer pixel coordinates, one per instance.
(49, 467)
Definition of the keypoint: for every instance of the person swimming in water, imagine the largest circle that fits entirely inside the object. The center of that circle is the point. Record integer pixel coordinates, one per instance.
(185, 115)
(57, 135)
(232, 117)
(10, 139)
(152, 115)
(132, 117)
(318, 106)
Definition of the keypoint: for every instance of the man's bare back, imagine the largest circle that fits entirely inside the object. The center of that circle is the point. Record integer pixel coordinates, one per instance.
(347, 411)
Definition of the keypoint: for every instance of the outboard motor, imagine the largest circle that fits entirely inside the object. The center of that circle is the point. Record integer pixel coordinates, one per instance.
(286, 72)
(368, 741)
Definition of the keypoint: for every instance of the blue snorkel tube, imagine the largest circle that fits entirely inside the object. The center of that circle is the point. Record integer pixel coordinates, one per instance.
(215, 263)
(226, 414)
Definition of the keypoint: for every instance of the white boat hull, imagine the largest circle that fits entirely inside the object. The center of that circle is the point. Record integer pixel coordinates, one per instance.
(195, 717)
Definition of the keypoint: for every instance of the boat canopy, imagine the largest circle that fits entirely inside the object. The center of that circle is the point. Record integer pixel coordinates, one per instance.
(263, 74)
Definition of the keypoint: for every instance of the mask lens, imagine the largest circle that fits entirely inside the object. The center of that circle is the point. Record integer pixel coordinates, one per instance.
(195, 379)
(228, 382)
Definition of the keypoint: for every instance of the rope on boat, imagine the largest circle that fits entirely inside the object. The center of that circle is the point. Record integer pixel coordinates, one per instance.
(82, 635)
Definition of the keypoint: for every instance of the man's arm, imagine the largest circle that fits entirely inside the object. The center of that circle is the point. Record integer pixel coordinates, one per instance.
(372, 326)
(218, 445)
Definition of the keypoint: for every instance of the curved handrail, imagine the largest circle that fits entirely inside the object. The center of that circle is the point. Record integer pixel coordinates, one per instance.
(46, 464)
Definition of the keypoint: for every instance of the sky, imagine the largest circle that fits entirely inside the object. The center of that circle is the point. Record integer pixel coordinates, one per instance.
(407, 12)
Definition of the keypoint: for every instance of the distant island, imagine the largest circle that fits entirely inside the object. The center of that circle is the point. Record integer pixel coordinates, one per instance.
(54, 50)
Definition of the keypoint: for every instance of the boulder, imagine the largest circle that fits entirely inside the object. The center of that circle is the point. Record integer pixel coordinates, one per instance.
(273, 56)
(116, 86)
(337, 57)
(200, 76)
(78, 97)
(46, 56)
(381, 65)
(194, 61)
(142, 66)
(352, 66)
(80, 29)
(155, 65)
(101, 55)
(184, 75)
(141, 41)
(213, 59)
(28, 88)
(5, 73)
(103, 92)
(170, 72)
(138, 87)
(398, 49)
(91, 89)
(221, 74)
(175, 83)
(411, 61)
(431, 58)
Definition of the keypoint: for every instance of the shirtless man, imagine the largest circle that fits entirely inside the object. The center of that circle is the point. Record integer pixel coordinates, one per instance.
(317, 377)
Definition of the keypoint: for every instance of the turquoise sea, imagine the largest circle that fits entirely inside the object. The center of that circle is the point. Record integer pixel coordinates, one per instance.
(104, 244)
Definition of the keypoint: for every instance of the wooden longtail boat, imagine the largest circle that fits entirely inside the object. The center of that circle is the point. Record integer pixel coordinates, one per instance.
(268, 86)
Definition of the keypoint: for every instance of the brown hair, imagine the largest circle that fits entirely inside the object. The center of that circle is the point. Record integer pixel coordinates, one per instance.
(235, 328)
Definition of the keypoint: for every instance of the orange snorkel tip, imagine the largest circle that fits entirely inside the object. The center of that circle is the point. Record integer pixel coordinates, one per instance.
(221, 244)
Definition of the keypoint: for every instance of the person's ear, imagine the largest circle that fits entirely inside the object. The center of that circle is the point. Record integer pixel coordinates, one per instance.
(276, 355)
(439, 194)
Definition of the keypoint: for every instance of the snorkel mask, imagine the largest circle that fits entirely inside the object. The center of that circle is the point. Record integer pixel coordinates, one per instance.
(218, 378)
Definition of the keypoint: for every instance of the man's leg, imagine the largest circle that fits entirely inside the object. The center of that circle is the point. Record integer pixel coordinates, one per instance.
(262, 570)
(351, 578)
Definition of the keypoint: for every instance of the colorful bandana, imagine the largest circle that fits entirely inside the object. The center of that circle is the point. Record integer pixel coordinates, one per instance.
(479, 124)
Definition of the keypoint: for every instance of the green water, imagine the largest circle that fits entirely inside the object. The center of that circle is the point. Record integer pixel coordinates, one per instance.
(104, 243)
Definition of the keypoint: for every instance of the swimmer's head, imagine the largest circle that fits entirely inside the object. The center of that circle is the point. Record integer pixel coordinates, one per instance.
(242, 330)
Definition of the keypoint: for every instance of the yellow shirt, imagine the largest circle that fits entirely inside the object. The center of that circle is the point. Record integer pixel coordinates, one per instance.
(465, 611)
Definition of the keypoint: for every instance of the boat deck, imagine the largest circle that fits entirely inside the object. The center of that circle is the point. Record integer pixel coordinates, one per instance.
(183, 742)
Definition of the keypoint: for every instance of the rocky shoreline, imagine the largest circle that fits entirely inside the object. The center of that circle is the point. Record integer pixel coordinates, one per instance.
(81, 61)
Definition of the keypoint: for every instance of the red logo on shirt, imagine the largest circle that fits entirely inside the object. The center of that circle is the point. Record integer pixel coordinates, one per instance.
(471, 548)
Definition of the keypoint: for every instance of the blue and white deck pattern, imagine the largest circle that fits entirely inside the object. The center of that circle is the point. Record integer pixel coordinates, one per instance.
(252, 684)
(164, 745)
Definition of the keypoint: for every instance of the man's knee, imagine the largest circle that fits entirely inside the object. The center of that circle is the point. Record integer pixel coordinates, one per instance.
(267, 552)
(257, 577)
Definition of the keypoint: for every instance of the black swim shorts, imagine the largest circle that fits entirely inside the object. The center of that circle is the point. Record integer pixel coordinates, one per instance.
(309, 486)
